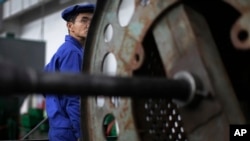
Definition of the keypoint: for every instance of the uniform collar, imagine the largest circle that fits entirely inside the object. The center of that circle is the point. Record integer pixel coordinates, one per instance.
(74, 41)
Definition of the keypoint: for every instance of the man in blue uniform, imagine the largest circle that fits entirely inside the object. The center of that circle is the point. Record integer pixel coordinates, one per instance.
(64, 110)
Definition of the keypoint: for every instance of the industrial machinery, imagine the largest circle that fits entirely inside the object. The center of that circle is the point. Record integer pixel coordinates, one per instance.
(158, 70)
(147, 38)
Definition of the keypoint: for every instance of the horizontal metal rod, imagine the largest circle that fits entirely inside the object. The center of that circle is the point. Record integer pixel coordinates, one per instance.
(27, 80)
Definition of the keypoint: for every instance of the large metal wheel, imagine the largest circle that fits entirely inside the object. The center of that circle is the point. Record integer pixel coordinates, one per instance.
(157, 38)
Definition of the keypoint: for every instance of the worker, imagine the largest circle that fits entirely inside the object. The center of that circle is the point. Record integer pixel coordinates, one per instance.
(63, 110)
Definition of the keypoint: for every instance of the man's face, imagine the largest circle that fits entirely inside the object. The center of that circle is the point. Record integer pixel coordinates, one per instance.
(79, 28)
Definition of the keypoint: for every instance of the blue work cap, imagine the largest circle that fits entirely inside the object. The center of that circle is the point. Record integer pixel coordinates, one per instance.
(75, 9)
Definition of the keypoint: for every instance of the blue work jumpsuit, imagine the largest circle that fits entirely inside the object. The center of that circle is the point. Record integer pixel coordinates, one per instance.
(63, 111)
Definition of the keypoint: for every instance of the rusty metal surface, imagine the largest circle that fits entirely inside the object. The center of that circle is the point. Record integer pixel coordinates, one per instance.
(195, 51)
(161, 39)
(241, 28)
(184, 51)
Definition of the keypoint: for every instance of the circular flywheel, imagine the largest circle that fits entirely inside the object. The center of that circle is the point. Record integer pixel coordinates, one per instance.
(155, 38)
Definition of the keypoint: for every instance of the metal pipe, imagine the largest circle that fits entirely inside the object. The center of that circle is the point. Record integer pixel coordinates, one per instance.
(34, 129)
(27, 80)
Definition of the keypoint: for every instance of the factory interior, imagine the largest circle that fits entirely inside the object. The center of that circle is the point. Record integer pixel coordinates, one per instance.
(154, 70)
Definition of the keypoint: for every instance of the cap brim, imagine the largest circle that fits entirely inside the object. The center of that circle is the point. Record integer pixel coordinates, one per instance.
(88, 8)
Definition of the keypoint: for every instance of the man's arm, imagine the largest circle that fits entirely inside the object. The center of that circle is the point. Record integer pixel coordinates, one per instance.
(72, 63)
(73, 111)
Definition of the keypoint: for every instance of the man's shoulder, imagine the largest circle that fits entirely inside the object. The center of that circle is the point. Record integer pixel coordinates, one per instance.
(66, 46)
